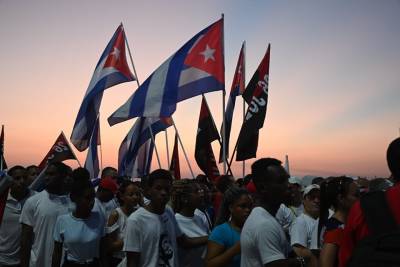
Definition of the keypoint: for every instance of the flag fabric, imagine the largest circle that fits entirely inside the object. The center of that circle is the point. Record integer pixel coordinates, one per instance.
(142, 164)
(3, 164)
(206, 133)
(139, 134)
(256, 95)
(92, 158)
(238, 86)
(196, 68)
(112, 69)
(5, 183)
(60, 151)
(174, 167)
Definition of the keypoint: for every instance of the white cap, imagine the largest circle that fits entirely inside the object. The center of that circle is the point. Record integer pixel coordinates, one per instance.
(309, 188)
(294, 180)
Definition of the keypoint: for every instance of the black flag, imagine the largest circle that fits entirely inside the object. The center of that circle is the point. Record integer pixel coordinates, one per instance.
(206, 133)
(256, 95)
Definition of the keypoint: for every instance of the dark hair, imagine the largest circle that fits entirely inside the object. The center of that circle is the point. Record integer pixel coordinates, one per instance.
(106, 170)
(122, 188)
(330, 189)
(393, 158)
(80, 174)
(14, 169)
(79, 187)
(317, 180)
(224, 182)
(158, 174)
(181, 189)
(259, 169)
(31, 167)
(230, 196)
(62, 169)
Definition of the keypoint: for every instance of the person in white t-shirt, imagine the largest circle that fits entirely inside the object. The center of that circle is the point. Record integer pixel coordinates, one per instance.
(263, 241)
(79, 233)
(10, 228)
(186, 198)
(301, 232)
(129, 197)
(152, 233)
(39, 216)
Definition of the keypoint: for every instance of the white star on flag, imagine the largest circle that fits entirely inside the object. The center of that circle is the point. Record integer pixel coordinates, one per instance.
(115, 53)
(208, 53)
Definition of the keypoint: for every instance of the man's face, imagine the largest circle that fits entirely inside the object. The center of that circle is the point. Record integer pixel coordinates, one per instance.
(277, 184)
(32, 174)
(311, 202)
(19, 181)
(160, 192)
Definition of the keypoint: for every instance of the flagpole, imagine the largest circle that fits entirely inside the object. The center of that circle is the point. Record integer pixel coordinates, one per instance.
(155, 147)
(166, 143)
(101, 146)
(244, 102)
(223, 107)
(73, 153)
(2, 152)
(183, 149)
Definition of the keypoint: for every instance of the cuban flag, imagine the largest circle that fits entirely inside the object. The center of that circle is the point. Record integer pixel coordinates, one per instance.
(92, 158)
(142, 164)
(196, 68)
(112, 69)
(238, 86)
(139, 134)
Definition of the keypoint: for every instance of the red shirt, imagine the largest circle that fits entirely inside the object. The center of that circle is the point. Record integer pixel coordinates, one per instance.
(356, 227)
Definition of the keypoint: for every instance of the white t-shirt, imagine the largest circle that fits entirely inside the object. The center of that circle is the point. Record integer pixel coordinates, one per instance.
(40, 212)
(80, 237)
(153, 236)
(285, 216)
(206, 220)
(302, 229)
(10, 231)
(120, 226)
(192, 227)
(262, 239)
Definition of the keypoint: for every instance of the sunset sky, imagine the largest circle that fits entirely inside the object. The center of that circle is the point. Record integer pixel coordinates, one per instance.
(333, 89)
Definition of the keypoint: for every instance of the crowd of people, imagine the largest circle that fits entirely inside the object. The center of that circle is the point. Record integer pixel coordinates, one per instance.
(265, 219)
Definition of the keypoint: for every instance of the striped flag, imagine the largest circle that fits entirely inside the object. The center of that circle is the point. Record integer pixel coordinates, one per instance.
(138, 135)
(238, 86)
(92, 158)
(112, 69)
(196, 68)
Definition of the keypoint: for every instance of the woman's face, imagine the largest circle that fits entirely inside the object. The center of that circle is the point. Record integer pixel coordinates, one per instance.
(241, 208)
(131, 196)
(85, 202)
(352, 196)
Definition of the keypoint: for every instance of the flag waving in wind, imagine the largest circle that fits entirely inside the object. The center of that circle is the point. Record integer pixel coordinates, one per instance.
(236, 89)
(174, 167)
(139, 134)
(112, 69)
(60, 151)
(256, 95)
(196, 68)
(92, 158)
(206, 133)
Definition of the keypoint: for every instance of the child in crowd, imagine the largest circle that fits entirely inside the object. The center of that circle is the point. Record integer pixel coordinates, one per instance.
(80, 233)
(187, 196)
(152, 233)
(223, 247)
(130, 198)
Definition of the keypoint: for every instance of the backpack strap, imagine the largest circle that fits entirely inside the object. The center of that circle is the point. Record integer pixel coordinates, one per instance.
(377, 213)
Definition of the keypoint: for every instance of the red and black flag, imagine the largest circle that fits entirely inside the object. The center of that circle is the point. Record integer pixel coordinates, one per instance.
(256, 96)
(60, 151)
(175, 167)
(206, 133)
(3, 164)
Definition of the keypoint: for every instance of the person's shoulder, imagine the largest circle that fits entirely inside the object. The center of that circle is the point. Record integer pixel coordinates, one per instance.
(222, 228)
